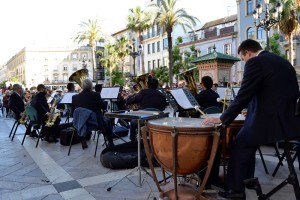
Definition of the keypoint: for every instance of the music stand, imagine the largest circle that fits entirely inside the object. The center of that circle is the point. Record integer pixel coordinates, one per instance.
(184, 98)
(110, 93)
(67, 99)
(137, 115)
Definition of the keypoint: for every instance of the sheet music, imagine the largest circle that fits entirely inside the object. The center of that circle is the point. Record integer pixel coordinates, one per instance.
(182, 99)
(221, 91)
(67, 98)
(51, 97)
(110, 92)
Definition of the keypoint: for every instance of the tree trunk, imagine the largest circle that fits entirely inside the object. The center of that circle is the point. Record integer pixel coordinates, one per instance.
(110, 75)
(142, 53)
(169, 33)
(291, 49)
(94, 63)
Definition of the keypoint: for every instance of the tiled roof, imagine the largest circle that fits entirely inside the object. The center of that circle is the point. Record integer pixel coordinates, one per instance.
(216, 56)
(216, 22)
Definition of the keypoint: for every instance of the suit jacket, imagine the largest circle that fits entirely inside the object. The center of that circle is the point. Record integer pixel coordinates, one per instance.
(149, 98)
(90, 100)
(16, 104)
(269, 89)
(207, 98)
(39, 102)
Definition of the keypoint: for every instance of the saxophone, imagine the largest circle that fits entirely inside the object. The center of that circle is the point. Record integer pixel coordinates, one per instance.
(51, 120)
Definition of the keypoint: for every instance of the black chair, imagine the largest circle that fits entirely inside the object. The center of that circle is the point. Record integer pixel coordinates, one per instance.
(98, 130)
(15, 128)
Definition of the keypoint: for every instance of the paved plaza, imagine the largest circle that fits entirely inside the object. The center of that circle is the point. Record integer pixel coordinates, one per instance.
(47, 172)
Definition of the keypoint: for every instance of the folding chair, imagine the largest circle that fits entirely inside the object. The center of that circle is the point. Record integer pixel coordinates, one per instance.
(92, 128)
(32, 117)
(15, 128)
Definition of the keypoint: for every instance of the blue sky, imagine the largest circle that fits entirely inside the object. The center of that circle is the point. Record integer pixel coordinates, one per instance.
(55, 22)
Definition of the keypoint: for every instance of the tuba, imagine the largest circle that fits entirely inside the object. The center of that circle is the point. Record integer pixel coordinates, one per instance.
(139, 83)
(79, 76)
(189, 78)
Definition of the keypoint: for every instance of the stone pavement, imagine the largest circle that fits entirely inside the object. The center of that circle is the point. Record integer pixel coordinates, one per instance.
(47, 172)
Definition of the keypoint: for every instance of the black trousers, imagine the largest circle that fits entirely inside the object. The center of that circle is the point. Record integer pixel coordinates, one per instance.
(241, 164)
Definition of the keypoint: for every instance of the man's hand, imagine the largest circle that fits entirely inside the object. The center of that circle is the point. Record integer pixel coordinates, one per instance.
(211, 120)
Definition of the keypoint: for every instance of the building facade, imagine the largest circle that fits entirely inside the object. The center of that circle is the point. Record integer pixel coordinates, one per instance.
(50, 66)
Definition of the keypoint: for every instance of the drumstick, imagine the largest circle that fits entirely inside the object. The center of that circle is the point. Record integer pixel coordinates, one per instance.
(198, 109)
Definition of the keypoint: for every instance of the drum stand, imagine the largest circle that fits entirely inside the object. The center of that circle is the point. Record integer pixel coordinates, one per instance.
(139, 168)
(292, 179)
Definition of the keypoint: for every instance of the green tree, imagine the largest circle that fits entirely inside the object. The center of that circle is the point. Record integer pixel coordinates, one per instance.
(138, 21)
(110, 59)
(117, 77)
(162, 75)
(275, 46)
(288, 23)
(121, 44)
(90, 32)
(168, 16)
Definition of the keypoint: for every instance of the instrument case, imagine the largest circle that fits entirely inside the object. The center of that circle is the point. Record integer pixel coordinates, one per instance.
(65, 137)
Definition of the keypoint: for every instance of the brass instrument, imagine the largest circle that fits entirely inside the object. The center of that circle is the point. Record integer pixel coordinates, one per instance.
(139, 83)
(51, 120)
(23, 119)
(189, 78)
(79, 76)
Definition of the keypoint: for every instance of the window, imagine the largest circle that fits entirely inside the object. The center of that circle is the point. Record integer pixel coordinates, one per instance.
(148, 49)
(148, 33)
(158, 62)
(74, 67)
(65, 78)
(165, 61)
(165, 43)
(209, 49)
(250, 33)
(158, 46)
(158, 29)
(227, 49)
(250, 7)
(84, 56)
(149, 66)
(153, 64)
(153, 47)
(153, 31)
(74, 56)
(65, 68)
(261, 33)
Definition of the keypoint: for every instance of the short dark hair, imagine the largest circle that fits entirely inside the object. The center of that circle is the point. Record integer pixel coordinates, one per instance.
(70, 87)
(207, 82)
(40, 86)
(249, 45)
(98, 87)
(152, 83)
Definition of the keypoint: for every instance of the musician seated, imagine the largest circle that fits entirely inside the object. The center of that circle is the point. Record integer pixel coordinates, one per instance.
(92, 100)
(207, 97)
(39, 102)
(146, 98)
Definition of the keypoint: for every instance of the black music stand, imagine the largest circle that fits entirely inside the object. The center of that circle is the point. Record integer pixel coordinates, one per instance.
(291, 179)
(67, 99)
(138, 115)
(184, 99)
(110, 93)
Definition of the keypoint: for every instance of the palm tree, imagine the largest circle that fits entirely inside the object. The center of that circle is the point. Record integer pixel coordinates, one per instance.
(168, 16)
(138, 21)
(110, 59)
(121, 44)
(288, 23)
(91, 32)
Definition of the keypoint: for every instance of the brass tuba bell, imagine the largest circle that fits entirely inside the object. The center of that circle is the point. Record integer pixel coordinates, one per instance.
(79, 76)
(188, 76)
(140, 82)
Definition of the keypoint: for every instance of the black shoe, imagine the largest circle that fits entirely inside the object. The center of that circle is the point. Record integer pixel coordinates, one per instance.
(230, 194)
(34, 134)
(84, 144)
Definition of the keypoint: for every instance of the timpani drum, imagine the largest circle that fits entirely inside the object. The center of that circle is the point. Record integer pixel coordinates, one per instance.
(182, 146)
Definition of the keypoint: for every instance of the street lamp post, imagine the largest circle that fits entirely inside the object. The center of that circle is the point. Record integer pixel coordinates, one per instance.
(133, 53)
(271, 17)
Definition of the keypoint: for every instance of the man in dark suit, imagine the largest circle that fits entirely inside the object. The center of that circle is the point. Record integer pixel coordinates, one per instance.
(147, 98)
(39, 102)
(16, 103)
(92, 100)
(269, 89)
(207, 97)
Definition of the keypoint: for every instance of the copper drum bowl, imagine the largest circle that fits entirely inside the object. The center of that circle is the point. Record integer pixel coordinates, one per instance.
(194, 143)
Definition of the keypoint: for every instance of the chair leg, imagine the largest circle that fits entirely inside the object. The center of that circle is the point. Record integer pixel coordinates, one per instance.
(13, 136)
(71, 141)
(98, 134)
(279, 163)
(263, 161)
(13, 128)
(39, 136)
(24, 134)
